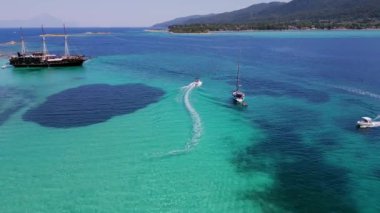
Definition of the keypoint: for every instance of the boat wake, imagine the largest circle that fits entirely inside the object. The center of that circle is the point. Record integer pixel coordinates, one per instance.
(5, 66)
(358, 92)
(196, 119)
(9, 43)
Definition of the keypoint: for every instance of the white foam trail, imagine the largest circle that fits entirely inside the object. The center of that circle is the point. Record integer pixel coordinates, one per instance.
(358, 91)
(197, 122)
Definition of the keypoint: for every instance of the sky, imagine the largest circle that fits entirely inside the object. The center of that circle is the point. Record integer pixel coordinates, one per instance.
(118, 13)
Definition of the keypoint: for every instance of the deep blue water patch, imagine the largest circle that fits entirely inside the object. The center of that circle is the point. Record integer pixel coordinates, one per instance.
(376, 173)
(328, 139)
(291, 118)
(11, 101)
(91, 104)
(304, 180)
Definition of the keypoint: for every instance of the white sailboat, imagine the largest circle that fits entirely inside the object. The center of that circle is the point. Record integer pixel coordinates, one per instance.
(238, 95)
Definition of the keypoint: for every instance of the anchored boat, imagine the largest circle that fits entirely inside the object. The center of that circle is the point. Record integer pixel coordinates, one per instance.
(44, 59)
(238, 96)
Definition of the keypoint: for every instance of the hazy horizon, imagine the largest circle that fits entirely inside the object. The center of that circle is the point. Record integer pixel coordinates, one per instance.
(113, 13)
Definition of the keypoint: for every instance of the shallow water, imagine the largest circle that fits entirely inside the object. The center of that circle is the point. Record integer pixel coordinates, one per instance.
(294, 149)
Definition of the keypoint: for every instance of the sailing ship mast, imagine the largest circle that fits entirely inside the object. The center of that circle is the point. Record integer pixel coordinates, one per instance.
(44, 47)
(237, 78)
(23, 48)
(237, 94)
(67, 52)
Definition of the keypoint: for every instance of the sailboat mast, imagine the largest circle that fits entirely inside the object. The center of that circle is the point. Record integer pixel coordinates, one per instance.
(67, 51)
(44, 47)
(23, 48)
(237, 77)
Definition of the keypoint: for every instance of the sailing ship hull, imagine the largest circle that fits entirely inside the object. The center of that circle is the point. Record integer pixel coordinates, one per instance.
(19, 62)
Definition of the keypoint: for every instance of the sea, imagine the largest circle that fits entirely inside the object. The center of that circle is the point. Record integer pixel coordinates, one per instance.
(131, 132)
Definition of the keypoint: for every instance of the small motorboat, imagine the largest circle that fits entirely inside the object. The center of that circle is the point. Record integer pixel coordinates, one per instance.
(367, 122)
(198, 82)
(4, 67)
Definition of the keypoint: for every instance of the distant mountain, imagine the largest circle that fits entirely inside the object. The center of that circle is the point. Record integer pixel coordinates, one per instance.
(340, 10)
(43, 19)
(228, 17)
(293, 11)
(239, 16)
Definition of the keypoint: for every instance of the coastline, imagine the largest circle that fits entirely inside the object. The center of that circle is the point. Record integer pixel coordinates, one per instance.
(273, 30)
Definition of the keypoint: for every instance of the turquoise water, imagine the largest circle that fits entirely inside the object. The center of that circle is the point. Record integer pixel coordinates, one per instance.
(294, 149)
